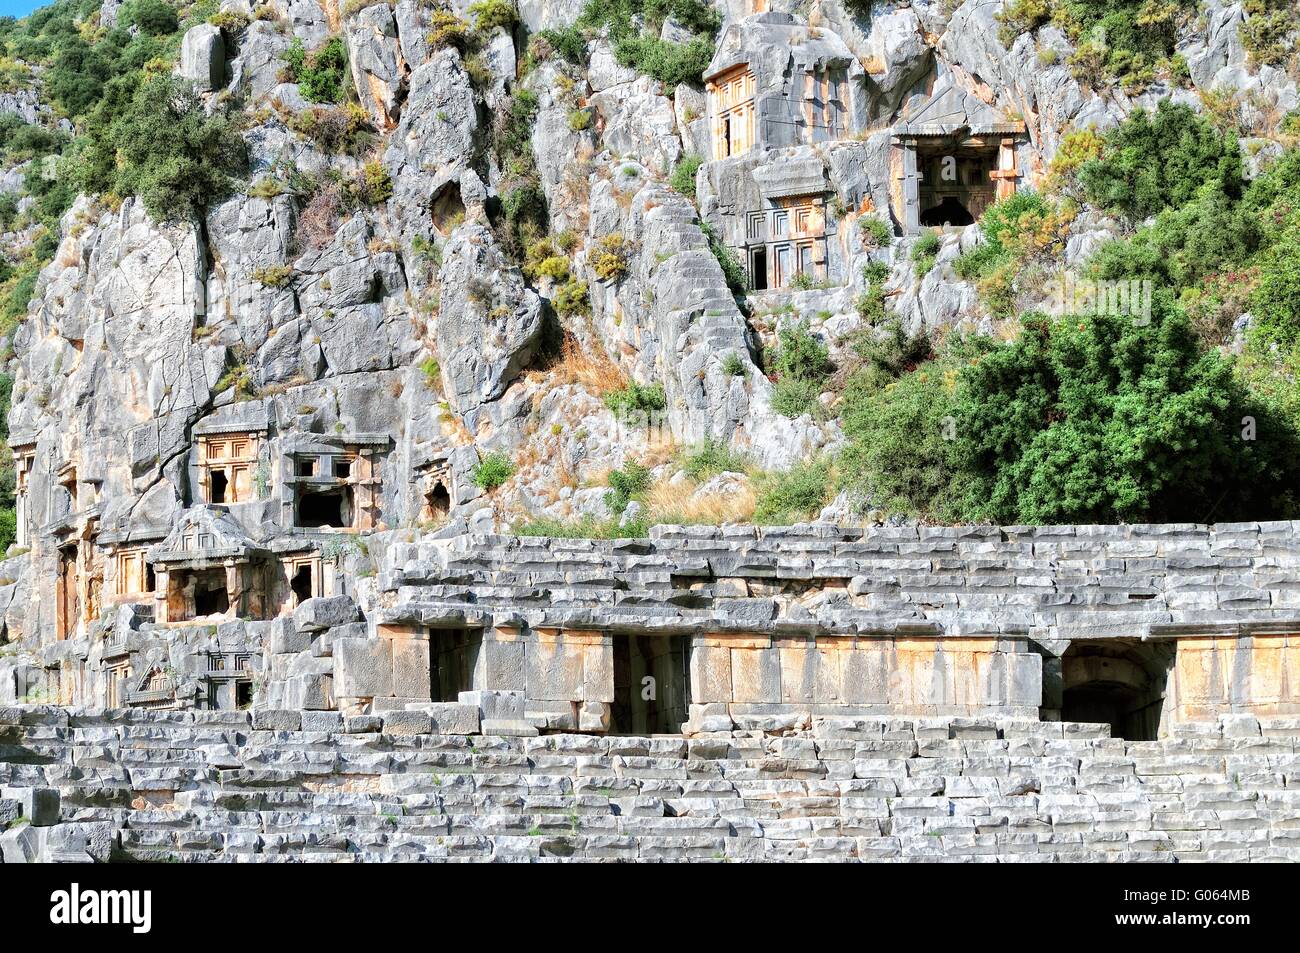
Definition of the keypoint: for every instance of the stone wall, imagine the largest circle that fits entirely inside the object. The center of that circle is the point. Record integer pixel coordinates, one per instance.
(771, 628)
(277, 786)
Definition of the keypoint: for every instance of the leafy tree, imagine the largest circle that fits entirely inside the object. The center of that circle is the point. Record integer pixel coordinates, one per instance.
(167, 150)
(1152, 162)
(153, 17)
(1081, 419)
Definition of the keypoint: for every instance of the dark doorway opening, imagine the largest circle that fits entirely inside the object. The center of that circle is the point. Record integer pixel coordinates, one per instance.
(453, 654)
(758, 269)
(948, 212)
(210, 597)
(68, 609)
(317, 508)
(217, 487)
(243, 694)
(651, 684)
(438, 502)
(956, 179)
(301, 584)
(1118, 683)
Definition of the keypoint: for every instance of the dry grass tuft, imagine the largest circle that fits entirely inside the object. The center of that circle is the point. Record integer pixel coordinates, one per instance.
(669, 503)
(592, 369)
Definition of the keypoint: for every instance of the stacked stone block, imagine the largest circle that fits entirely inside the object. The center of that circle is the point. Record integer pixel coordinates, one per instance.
(280, 786)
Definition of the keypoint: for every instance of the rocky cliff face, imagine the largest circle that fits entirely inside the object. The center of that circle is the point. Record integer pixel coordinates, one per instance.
(466, 291)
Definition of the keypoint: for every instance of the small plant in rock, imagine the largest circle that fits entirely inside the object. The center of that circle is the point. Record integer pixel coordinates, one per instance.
(609, 258)
(683, 177)
(339, 130)
(432, 371)
(794, 495)
(876, 232)
(372, 186)
(449, 30)
(493, 470)
(579, 119)
(925, 252)
(493, 14)
(732, 365)
(571, 299)
(625, 485)
(273, 276)
(322, 75)
(712, 457)
(636, 399)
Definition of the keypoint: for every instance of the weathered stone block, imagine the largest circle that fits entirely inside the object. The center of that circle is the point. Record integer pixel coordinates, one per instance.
(598, 673)
(407, 723)
(411, 671)
(271, 719)
(39, 805)
(710, 674)
(453, 718)
(554, 671)
(495, 705)
(755, 674)
(362, 668)
(324, 612)
(503, 665)
(322, 721)
(285, 637)
(313, 692)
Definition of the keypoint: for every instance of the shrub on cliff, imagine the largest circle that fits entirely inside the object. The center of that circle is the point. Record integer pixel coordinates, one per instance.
(1078, 420)
(1154, 161)
(323, 75)
(166, 149)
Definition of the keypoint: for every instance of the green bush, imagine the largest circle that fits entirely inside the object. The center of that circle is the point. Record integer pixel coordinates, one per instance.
(793, 496)
(8, 528)
(323, 75)
(1095, 419)
(670, 63)
(493, 14)
(153, 17)
(493, 470)
(732, 365)
(166, 149)
(634, 27)
(585, 527)
(876, 231)
(636, 399)
(449, 30)
(801, 355)
(794, 397)
(568, 43)
(925, 251)
(683, 177)
(801, 366)
(8, 210)
(572, 299)
(1124, 41)
(432, 371)
(625, 485)
(1154, 161)
(712, 457)
(732, 270)
(897, 423)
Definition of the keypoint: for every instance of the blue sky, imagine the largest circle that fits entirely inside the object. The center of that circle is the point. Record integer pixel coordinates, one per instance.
(19, 8)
